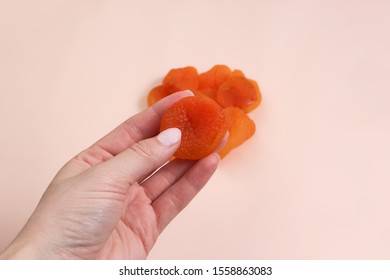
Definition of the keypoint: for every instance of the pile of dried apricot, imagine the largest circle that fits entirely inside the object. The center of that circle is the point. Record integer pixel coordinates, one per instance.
(222, 99)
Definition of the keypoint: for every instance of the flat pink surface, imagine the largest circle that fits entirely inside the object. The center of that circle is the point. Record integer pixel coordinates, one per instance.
(313, 183)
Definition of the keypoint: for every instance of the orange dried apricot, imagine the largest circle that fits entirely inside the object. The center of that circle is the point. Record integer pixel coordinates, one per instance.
(213, 78)
(237, 73)
(156, 94)
(257, 101)
(202, 122)
(181, 79)
(239, 92)
(201, 119)
(208, 92)
(241, 128)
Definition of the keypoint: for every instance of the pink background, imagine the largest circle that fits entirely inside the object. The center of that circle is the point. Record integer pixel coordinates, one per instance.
(314, 182)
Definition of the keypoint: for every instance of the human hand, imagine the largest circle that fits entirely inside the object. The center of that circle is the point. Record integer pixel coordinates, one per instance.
(103, 204)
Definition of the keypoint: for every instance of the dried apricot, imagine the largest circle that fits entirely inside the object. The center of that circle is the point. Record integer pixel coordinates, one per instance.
(213, 78)
(241, 128)
(156, 94)
(237, 73)
(202, 122)
(239, 92)
(208, 92)
(181, 79)
(257, 101)
(201, 119)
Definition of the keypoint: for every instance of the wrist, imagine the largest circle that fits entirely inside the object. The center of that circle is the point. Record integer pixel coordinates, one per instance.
(17, 250)
(29, 244)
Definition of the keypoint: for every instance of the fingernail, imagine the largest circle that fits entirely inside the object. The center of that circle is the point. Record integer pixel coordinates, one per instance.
(223, 142)
(169, 136)
(187, 92)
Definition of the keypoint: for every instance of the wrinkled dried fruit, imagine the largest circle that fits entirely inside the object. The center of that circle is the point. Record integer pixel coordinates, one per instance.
(241, 128)
(202, 122)
(239, 92)
(257, 101)
(213, 78)
(181, 79)
(208, 92)
(237, 73)
(201, 119)
(156, 94)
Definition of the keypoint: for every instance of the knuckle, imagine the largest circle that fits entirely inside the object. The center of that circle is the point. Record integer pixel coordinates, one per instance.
(167, 178)
(144, 150)
(174, 204)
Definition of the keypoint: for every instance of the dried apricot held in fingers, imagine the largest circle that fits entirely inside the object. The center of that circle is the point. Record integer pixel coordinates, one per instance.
(202, 122)
(201, 118)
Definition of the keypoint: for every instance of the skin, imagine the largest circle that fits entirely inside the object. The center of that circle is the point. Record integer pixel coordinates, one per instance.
(103, 204)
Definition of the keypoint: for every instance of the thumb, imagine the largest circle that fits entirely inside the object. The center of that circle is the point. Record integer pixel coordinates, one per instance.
(141, 159)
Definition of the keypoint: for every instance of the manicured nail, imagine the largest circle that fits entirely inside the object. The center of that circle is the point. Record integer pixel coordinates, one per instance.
(169, 136)
(187, 92)
(223, 142)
